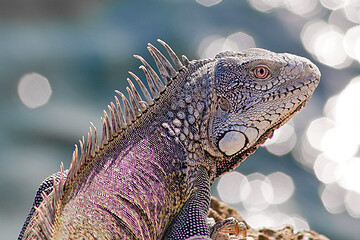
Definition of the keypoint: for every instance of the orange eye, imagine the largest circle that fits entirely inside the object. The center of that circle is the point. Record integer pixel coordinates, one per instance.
(261, 72)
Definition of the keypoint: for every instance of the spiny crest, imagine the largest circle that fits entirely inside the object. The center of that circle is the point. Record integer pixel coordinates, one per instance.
(122, 115)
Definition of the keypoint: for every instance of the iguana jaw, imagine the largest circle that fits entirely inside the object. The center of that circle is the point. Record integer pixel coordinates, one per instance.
(229, 163)
(239, 137)
(215, 151)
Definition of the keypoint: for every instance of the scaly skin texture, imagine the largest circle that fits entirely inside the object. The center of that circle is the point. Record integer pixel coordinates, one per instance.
(142, 203)
(150, 176)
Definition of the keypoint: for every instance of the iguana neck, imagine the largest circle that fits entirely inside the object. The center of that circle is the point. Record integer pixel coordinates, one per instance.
(188, 112)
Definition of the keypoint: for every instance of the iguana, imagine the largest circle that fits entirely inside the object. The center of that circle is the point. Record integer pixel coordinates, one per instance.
(150, 175)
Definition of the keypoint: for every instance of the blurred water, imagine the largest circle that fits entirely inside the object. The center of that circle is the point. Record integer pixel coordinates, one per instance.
(85, 50)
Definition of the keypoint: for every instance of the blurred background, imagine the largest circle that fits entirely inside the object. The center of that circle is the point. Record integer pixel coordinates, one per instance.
(61, 60)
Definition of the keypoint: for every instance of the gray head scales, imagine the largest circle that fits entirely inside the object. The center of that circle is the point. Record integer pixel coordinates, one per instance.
(254, 92)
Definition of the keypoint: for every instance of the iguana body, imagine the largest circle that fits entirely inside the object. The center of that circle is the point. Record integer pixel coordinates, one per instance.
(150, 175)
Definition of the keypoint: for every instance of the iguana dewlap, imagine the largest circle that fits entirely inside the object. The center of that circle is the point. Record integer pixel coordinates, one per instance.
(150, 175)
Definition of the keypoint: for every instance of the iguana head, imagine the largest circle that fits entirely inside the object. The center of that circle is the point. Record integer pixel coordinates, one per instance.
(253, 93)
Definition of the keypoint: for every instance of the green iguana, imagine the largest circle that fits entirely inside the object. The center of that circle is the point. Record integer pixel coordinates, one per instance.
(150, 175)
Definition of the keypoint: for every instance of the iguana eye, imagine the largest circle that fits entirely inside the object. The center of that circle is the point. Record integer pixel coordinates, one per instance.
(224, 104)
(261, 72)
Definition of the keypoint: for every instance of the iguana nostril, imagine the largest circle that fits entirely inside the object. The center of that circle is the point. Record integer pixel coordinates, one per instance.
(312, 69)
(309, 67)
